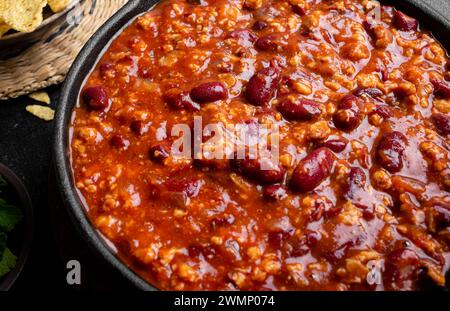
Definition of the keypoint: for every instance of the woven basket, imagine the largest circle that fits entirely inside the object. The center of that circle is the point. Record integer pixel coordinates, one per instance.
(47, 61)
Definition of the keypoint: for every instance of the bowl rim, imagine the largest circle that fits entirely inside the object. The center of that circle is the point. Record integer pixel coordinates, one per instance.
(46, 22)
(26, 242)
(80, 70)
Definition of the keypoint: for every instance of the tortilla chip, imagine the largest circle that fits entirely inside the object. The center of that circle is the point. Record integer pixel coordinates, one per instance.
(3, 28)
(58, 5)
(42, 112)
(40, 97)
(22, 15)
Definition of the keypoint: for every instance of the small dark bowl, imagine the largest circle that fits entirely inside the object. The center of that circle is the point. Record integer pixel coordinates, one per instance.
(13, 43)
(82, 67)
(23, 234)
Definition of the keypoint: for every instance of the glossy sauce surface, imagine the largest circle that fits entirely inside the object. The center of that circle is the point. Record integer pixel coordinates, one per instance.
(362, 104)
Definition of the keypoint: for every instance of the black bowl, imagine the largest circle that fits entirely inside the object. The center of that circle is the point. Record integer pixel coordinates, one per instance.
(23, 233)
(83, 65)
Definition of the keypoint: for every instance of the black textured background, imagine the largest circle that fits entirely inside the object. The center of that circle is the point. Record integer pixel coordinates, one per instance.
(25, 147)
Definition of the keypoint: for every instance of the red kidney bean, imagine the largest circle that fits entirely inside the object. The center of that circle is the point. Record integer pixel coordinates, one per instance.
(253, 168)
(259, 25)
(441, 89)
(403, 22)
(348, 116)
(209, 251)
(269, 42)
(178, 99)
(442, 123)
(356, 182)
(274, 192)
(301, 109)
(107, 70)
(320, 206)
(119, 142)
(138, 127)
(262, 86)
(127, 60)
(332, 211)
(312, 170)
(390, 151)
(401, 266)
(246, 36)
(369, 27)
(383, 111)
(123, 118)
(297, 9)
(188, 185)
(195, 250)
(305, 32)
(222, 221)
(226, 67)
(146, 73)
(336, 145)
(368, 214)
(277, 239)
(371, 91)
(96, 98)
(209, 92)
(159, 152)
(312, 238)
(357, 177)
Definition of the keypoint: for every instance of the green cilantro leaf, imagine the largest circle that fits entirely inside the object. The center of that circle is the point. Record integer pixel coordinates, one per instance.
(10, 215)
(8, 262)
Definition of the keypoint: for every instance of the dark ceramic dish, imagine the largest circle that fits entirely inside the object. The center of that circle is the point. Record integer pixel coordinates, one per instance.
(22, 236)
(86, 60)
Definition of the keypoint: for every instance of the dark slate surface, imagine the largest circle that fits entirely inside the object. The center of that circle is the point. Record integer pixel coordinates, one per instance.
(25, 146)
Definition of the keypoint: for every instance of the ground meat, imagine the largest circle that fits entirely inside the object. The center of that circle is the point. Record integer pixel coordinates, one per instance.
(357, 111)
